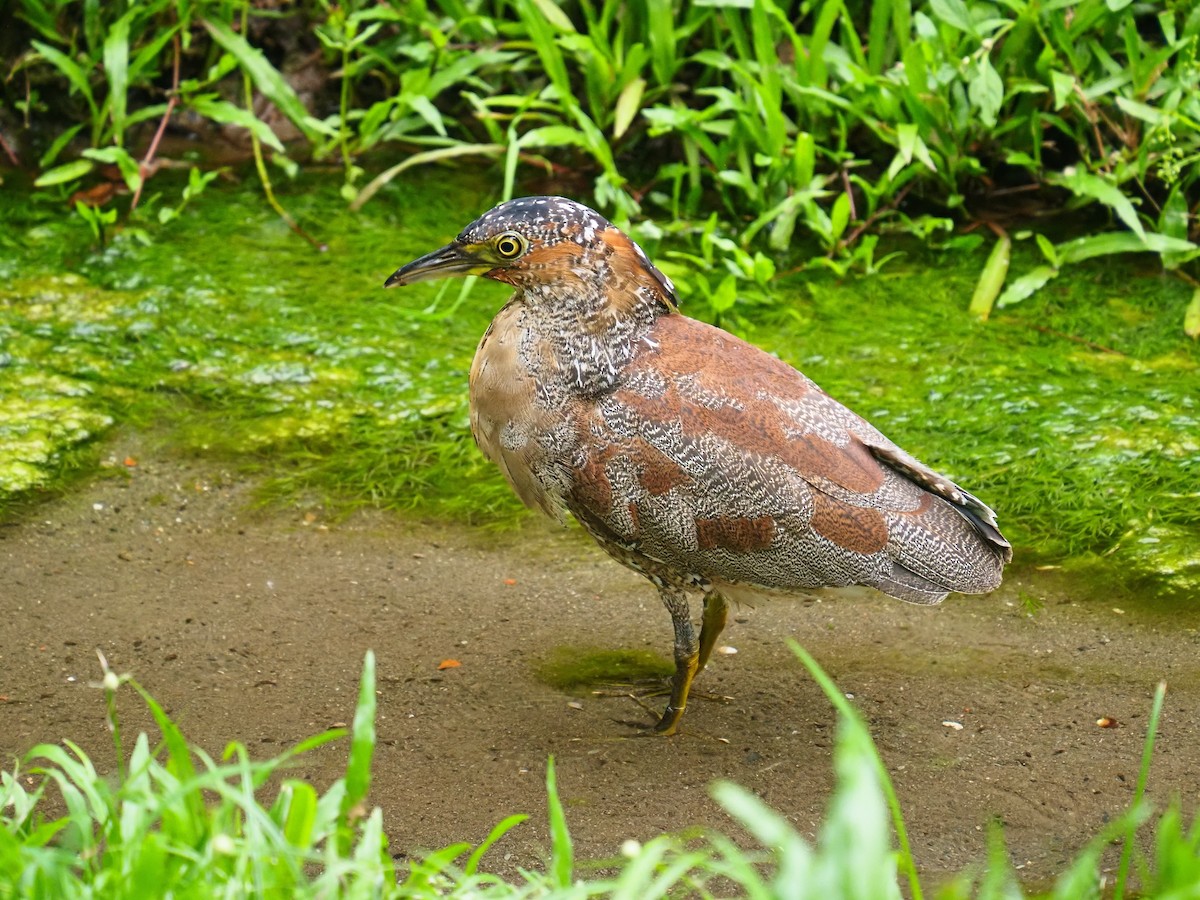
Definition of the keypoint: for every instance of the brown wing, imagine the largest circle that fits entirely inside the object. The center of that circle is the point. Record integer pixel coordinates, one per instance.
(716, 459)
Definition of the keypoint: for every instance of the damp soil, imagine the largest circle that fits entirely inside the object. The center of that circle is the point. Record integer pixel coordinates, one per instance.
(250, 624)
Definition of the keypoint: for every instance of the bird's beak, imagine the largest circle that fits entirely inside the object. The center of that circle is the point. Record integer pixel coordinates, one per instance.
(453, 259)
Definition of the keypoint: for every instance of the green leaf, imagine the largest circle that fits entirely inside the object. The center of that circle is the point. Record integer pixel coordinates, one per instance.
(629, 101)
(554, 15)
(542, 36)
(852, 721)
(178, 763)
(1049, 251)
(148, 53)
(427, 111)
(1143, 111)
(839, 216)
(211, 107)
(764, 269)
(1064, 87)
(953, 13)
(663, 45)
(553, 136)
(119, 156)
(266, 78)
(69, 68)
(991, 279)
(856, 859)
(1191, 318)
(1174, 219)
(301, 813)
(116, 70)
(57, 146)
(908, 145)
(986, 92)
(725, 296)
(1085, 184)
(66, 172)
(804, 158)
(1173, 223)
(1113, 242)
(1027, 285)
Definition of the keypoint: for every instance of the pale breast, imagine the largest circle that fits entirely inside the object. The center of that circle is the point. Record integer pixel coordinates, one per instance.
(509, 418)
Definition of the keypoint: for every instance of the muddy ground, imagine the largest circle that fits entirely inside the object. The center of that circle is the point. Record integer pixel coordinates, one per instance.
(251, 625)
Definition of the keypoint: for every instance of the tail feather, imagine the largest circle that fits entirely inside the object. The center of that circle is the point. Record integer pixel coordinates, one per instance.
(940, 548)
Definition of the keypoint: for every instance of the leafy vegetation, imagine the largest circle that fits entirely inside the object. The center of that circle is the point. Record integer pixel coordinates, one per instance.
(173, 821)
(809, 126)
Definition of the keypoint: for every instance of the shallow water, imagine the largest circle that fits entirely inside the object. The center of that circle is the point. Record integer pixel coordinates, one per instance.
(1076, 414)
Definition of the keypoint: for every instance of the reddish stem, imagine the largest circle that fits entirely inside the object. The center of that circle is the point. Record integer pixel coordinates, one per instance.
(144, 165)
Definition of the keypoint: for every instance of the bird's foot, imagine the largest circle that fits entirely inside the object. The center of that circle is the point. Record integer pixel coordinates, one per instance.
(650, 687)
(667, 721)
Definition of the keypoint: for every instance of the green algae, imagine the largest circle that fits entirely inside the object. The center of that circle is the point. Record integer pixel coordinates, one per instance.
(579, 669)
(1076, 414)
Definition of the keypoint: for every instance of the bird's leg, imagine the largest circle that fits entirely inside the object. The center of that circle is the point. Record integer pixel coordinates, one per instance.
(716, 611)
(687, 657)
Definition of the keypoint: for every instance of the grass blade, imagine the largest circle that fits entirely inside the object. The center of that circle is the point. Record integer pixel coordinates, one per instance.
(1160, 694)
(854, 720)
(494, 835)
(562, 858)
(362, 741)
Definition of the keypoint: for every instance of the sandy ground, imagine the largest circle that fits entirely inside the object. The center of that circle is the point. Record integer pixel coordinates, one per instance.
(251, 626)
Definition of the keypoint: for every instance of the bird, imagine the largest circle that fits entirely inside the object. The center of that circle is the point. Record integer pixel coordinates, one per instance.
(691, 456)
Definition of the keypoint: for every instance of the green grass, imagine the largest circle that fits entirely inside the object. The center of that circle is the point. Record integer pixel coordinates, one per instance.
(171, 821)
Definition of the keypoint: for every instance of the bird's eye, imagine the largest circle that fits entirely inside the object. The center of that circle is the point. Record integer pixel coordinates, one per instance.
(510, 245)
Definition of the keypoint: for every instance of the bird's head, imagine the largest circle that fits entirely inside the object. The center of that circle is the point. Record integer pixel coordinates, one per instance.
(546, 245)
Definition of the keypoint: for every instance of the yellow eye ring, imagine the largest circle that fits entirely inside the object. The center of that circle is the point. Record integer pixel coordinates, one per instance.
(510, 245)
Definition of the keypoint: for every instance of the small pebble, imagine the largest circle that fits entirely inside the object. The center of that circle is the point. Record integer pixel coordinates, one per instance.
(574, 704)
(727, 650)
(950, 723)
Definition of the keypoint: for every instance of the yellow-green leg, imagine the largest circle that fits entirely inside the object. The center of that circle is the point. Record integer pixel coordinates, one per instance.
(716, 612)
(690, 655)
